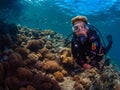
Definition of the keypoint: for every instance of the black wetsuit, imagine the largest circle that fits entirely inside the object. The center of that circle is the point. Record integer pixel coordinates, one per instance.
(91, 48)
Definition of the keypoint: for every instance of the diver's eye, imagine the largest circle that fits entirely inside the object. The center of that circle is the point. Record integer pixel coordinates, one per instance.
(76, 27)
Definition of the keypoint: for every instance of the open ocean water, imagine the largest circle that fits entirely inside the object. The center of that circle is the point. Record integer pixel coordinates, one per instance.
(57, 14)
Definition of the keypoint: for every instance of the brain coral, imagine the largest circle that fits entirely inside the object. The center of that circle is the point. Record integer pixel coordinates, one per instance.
(33, 57)
(35, 45)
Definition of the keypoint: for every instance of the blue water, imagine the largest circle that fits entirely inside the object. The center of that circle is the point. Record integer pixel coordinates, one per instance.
(57, 14)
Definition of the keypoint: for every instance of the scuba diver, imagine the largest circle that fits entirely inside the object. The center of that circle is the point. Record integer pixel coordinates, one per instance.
(86, 46)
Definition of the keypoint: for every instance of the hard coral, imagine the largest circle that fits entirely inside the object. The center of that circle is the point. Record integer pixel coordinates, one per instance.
(86, 82)
(45, 83)
(78, 86)
(29, 87)
(22, 51)
(35, 45)
(1, 68)
(64, 72)
(117, 85)
(48, 44)
(67, 60)
(51, 66)
(44, 51)
(39, 55)
(66, 56)
(24, 74)
(50, 56)
(33, 57)
(1, 73)
(15, 61)
(38, 65)
(76, 78)
(12, 83)
(58, 76)
(48, 32)
(66, 52)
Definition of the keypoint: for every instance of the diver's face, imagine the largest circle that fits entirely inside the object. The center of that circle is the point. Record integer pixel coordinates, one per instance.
(79, 28)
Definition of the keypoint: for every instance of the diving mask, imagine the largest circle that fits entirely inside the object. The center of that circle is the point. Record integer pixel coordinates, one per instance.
(78, 27)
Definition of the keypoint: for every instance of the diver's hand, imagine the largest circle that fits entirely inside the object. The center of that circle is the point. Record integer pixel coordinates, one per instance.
(109, 38)
(87, 66)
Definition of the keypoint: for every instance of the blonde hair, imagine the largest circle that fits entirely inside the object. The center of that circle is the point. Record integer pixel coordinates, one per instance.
(79, 18)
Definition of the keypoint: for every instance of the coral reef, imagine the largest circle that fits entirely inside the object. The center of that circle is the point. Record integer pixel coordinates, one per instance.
(39, 61)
